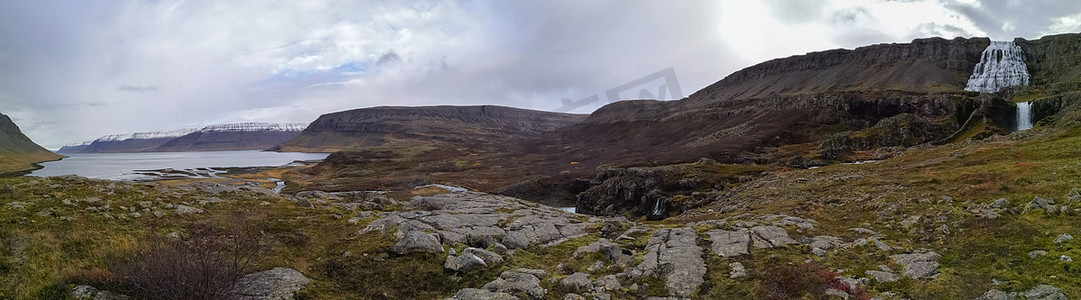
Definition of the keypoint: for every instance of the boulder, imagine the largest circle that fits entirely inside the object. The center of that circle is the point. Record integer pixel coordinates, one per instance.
(607, 283)
(479, 294)
(517, 282)
(1041, 203)
(577, 282)
(728, 243)
(274, 284)
(882, 276)
(463, 264)
(417, 241)
(1065, 237)
(673, 255)
(737, 270)
(184, 210)
(83, 292)
(775, 236)
(1000, 203)
(1044, 292)
(918, 265)
(573, 296)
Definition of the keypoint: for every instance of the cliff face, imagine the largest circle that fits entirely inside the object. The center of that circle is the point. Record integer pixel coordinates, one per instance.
(925, 65)
(224, 137)
(1054, 61)
(444, 124)
(17, 151)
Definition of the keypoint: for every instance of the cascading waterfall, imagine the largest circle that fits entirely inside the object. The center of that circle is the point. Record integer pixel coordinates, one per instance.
(1024, 115)
(1001, 65)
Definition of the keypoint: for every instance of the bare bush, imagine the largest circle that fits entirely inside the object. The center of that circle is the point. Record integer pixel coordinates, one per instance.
(204, 265)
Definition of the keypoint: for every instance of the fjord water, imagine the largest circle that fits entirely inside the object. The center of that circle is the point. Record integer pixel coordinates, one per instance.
(122, 166)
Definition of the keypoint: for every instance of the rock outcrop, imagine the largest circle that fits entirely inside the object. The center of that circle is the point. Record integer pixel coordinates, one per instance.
(274, 284)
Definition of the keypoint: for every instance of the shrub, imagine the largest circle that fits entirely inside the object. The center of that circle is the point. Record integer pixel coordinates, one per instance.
(205, 265)
(799, 280)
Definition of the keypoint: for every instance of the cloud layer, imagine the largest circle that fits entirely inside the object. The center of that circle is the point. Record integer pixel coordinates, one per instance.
(71, 70)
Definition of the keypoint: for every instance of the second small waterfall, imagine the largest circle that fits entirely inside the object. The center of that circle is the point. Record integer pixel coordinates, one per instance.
(1024, 115)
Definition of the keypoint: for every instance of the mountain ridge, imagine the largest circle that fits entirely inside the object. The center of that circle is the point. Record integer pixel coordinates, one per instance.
(219, 137)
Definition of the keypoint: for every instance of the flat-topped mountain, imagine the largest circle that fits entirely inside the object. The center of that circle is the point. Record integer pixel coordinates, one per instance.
(17, 151)
(222, 137)
(377, 126)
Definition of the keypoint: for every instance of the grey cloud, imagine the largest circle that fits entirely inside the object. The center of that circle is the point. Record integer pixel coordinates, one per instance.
(798, 11)
(137, 89)
(1007, 19)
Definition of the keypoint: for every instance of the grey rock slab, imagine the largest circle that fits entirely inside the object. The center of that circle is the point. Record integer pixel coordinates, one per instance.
(577, 282)
(738, 270)
(996, 295)
(184, 210)
(776, 236)
(728, 243)
(1065, 237)
(479, 294)
(882, 276)
(917, 265)
(611, 250)
(511, 282)
(673, 255)
(607, 283)
(417, 242)
(1000, 203)
(573, 296)
(489, 257)
(83, 292)
(274, 284)
(465, 263)
(1036, 254)
(1043, 292)
(107, 295)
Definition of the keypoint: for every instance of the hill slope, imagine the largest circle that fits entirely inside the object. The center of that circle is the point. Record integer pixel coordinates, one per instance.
(17, 151)
(460, 125)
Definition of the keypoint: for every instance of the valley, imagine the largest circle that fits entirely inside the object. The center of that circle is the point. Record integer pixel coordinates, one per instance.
(936, 169)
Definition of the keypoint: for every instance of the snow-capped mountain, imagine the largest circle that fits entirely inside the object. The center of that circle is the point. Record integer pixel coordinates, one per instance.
(232, 136)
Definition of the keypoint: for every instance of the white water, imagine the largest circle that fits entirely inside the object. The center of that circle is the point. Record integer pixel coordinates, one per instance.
(1024, 115)
(1001, 65)
(657, 208)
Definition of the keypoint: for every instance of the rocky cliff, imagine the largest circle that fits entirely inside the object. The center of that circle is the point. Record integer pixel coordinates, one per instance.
(408, 125)
(17, 151)
(924, 65)
(222, 137)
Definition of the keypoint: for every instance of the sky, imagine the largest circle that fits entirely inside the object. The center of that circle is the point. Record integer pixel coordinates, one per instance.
(75, 70)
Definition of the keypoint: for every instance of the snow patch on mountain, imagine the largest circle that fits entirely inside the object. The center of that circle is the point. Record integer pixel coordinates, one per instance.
(144, 135)
(254, 126)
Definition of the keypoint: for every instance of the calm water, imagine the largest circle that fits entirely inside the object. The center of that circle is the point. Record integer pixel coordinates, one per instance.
(121, 166)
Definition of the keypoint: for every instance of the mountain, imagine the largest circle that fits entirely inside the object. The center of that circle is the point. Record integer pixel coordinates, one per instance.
(459, 125)
(17, 151)
(871, 102)
(122, 143)
(223, 137)
(238, 136)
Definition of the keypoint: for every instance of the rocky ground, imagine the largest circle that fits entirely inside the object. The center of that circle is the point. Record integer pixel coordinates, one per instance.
(931, 223)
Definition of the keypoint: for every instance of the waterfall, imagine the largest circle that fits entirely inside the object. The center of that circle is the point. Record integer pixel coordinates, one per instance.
(1002, 64)
(657, 211)
(1024, 115)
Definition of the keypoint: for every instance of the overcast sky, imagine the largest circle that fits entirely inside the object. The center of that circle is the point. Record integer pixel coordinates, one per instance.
(75, 70)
